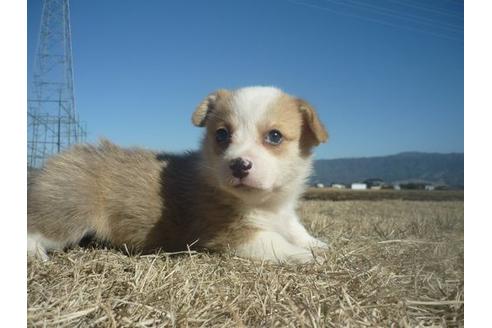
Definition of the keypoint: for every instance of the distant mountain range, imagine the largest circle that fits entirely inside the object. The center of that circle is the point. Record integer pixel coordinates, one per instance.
(405, 167)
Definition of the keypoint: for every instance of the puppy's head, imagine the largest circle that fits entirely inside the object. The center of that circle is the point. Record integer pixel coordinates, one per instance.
(258, 140)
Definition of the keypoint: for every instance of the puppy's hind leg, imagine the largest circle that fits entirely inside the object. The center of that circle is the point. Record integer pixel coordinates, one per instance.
(38, 245)
(60, 237)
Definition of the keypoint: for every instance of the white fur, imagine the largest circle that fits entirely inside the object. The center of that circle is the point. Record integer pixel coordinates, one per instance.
(272, 246)
(282, 238)
(251, 103)
(250, 107)
(38, 245)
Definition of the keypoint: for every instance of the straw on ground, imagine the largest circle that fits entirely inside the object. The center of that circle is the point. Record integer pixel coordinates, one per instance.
(391, 263)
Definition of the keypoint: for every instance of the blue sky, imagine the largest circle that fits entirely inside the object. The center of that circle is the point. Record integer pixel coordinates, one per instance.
(385, 76)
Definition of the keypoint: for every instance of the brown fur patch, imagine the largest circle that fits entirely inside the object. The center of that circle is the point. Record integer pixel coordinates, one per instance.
(213, 125)
(297, 121)
(208, 106)
(313, 122)
(220, 116)
(313, 131)
(285, 117)
(132, 197)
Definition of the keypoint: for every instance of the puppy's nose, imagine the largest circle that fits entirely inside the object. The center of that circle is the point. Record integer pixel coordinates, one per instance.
(240, 167)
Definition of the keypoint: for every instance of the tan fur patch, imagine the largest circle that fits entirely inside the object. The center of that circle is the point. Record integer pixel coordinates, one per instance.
(313, 122)
(220, 116)
(285, 117)
(297, 121)
(207, 106)
(131, 197)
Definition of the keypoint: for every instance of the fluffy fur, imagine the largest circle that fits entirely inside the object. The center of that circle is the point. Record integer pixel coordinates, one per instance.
(147, 201)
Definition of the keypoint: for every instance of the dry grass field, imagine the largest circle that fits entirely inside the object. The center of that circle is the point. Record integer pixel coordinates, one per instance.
(349, 194)
(392, 263)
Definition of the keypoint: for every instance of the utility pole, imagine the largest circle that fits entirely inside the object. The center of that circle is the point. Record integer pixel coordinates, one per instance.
(52, 120)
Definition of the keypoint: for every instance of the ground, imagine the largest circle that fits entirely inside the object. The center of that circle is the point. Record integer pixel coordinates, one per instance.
(391, 263)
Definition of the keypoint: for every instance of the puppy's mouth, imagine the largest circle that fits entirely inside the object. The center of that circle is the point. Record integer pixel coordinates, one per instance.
(245, 185)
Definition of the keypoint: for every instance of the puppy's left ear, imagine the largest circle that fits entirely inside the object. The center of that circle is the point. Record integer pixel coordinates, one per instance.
(316, 129)
(207, 105)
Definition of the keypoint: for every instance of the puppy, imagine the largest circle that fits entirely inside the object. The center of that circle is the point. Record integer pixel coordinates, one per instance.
(239, 193)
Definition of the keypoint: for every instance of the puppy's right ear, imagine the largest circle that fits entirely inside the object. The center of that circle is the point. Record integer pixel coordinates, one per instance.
(207, 105)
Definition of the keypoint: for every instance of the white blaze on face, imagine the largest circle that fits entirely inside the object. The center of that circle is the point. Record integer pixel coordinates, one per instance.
(249, 107)
(237, 152)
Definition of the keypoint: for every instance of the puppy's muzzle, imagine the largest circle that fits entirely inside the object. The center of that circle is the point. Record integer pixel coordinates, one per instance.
(240, 167)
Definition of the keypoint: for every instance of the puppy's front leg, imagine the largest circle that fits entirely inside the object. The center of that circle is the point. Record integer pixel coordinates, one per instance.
(271, 246)
(298, 235)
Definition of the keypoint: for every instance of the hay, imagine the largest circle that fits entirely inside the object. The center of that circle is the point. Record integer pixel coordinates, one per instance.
(377, 195)
(391, 263)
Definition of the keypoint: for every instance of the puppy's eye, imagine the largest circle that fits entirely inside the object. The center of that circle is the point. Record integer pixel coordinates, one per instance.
(222, 136)
(274, 137)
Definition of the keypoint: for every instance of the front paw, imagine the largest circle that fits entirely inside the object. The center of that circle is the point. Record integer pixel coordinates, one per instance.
(305, 257)
(312, 243)
(316, 243)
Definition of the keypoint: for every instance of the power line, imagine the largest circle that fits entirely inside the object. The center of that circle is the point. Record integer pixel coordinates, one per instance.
(439, 12)
(373, 20)
(395, 14)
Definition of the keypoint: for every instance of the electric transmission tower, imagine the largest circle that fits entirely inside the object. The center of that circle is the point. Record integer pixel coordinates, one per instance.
(53, 123)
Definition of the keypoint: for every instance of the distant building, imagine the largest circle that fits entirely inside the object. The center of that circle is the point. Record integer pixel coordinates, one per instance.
(379, 187)
(396, 187)
(413, 186)
(359, 186)
(387, 186)
(429, 187)
(338, 186)
(319, 185)
(374, 182)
